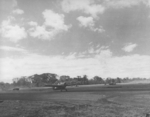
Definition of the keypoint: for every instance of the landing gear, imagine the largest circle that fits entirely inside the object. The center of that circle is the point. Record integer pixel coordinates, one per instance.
(64, 89)
(60, 88)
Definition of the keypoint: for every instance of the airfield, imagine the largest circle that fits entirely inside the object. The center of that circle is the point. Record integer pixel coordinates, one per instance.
(121, 100)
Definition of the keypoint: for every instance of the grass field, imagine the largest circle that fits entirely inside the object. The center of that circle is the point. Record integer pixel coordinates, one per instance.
(124, 100)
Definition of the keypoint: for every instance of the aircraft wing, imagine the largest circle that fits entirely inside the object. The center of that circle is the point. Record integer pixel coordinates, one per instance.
(54, 85)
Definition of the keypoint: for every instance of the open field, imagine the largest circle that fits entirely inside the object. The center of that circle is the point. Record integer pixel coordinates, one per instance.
(124, 100)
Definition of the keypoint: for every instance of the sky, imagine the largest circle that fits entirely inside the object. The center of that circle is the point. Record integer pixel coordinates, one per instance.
(107, 38)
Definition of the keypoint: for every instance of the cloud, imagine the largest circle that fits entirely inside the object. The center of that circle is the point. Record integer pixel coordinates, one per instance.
(33, 23)
(13, 32)
(103, 64)
(124, 3)
(86, 21)
(54, 24)
(18, 11)
(89, 22)
(87, 6)
(129, 66)
(92, 8)
(33, 63)
(14, 3)
(54, 20)
(148, 3)
(41, 32)
(129, 47)
(100, 29)
(99, 50)
(8, 48)
(91, 50)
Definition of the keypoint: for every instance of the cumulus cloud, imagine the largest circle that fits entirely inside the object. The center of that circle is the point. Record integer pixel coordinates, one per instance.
(91, 50)
(41, 32)
(92, 8)
(8, 48)
(33, 63)
(54, 20)
(87, 6)
(32, 23)
(103, 64)
(129, 47)
(124, 3)
(98, 50)
(13, 32)
(18, 11)
(54, 24)
(89, 22)
(86, 21)
(100, 29)
(129, 66)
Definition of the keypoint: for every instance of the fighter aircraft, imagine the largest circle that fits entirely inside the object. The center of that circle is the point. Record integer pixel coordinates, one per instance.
(60, 86)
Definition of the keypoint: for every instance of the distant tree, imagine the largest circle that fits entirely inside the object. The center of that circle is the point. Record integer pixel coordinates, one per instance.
(85, 79)
(46, 78)
(79, 78)
(64, 78)
(21, 81)
(36, 80)
(2, 85)
(118, 80)
(49, 78)
(98, 80)
(91, 81)
(108, 80)
(15, 80)
(126, 79)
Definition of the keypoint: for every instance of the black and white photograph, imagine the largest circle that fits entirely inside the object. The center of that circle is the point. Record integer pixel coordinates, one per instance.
(74, 58)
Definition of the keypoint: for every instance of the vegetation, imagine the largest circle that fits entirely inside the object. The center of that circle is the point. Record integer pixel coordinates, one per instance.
(39, 80)
(50, 78)
(76, 104)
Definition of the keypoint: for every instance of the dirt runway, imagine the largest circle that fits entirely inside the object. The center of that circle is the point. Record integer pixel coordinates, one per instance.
(82, 101)
(80, 92)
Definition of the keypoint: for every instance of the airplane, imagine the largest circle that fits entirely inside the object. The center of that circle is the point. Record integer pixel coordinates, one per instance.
(60, 86)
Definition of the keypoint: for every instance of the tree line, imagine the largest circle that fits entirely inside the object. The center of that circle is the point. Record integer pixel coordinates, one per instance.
(39, 80)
